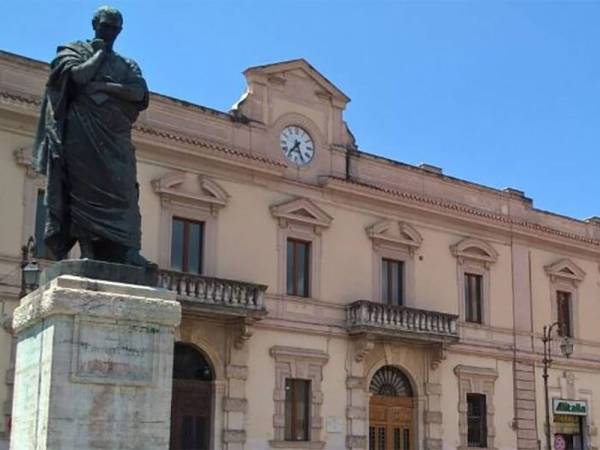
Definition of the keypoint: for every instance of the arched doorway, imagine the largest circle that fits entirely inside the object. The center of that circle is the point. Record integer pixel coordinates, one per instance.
(391, 411)
(191, 407)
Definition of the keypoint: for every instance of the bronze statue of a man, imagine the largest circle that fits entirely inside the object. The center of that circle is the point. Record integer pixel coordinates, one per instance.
(83, 146)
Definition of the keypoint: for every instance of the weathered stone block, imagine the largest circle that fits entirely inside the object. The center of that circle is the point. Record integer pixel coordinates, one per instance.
(433, 444)
(94, 366)
(356, 442)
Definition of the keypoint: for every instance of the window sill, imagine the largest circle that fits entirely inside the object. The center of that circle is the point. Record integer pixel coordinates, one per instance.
(297, 444)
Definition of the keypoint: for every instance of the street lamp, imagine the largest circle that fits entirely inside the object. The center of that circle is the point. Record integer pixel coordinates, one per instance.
(30, 271)
(566, 348)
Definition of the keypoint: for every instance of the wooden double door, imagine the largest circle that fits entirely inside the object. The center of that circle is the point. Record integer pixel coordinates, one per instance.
(391, 421)
(191, 413)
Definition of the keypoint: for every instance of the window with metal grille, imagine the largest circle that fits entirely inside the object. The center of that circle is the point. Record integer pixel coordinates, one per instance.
(187, 242)
(298, 268)
(297, 408)
(476, 420)
(563, 309)
(473, 298)
(392, 282)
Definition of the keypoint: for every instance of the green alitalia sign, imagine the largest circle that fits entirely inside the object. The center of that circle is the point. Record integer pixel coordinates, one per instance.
(569, 407)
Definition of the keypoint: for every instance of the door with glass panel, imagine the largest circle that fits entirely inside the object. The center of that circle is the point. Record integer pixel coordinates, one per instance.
(391, 411)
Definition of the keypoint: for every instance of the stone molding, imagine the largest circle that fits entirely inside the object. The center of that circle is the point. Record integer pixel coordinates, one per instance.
(395, 233)
(519, 225)
(565, 270)
(63, 296)
(235, 405)
(296, 362)
(236, 372)
(356, 442)
(297, 444)
(175, 187)
(475, 250)
(234, 436)
(302, 211)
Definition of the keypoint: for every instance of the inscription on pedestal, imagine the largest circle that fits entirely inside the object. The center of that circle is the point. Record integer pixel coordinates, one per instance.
(113, 353)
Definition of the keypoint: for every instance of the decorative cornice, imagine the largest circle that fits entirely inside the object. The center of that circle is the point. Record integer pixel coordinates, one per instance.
(472, 371)
(475, 250)
(172, 187)
(303, 211)
(280, 352)
(396, 233)
(21, 99)
(185, 139)
(565, 269)
(333, 182)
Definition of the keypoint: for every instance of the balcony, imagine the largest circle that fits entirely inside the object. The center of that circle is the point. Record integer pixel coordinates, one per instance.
(215, 296)
(410, 324)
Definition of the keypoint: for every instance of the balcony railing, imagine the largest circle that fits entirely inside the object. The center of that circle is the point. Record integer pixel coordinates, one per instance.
(218, 295)
(378, 318)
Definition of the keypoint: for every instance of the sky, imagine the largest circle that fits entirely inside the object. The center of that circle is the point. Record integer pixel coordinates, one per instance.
(501, 93)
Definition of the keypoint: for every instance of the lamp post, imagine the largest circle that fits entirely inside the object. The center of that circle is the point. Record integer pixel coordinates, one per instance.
(566, 348)
(30, 271)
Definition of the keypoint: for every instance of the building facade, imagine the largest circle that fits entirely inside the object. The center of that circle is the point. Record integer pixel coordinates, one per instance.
(333, 298)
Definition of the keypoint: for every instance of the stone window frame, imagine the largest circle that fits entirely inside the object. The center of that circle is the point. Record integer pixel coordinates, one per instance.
(475, 380)
(564, 275)
(474, 256)
(396, 240)
(300, 219)
(298, 363)
(202, 205)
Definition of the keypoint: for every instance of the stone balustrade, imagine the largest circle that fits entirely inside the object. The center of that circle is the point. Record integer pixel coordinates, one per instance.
(227, 296)
(379, 318)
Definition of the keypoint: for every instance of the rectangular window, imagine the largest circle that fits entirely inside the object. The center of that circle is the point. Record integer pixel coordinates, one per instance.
(187, 242)
(564, 313)
(473, 297)
(476, 420)
(298, 267)
(392, 282)
(297, 409)
(40, 223)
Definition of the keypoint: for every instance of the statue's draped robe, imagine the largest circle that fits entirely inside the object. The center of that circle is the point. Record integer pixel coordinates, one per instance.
(84, 147)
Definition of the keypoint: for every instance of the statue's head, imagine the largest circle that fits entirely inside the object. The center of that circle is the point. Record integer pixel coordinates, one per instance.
(107, 23)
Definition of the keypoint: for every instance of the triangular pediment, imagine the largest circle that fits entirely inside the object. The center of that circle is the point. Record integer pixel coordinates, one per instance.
(476, 250)
(566, 269)
(301, 210)
(278, 72)
(395, 232)
(190, 188)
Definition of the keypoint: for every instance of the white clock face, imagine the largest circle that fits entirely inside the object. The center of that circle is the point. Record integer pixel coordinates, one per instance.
(297, 146)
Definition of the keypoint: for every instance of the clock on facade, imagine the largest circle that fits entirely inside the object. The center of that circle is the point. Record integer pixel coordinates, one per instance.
(297, 145)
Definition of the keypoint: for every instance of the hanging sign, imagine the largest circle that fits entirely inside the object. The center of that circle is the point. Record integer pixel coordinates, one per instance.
(569, 407)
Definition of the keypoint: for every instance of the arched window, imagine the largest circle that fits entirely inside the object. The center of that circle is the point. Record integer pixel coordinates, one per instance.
(390, 381)
(190, 364)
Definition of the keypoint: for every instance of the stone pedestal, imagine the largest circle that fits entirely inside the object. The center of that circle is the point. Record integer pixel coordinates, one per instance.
(94, 366)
